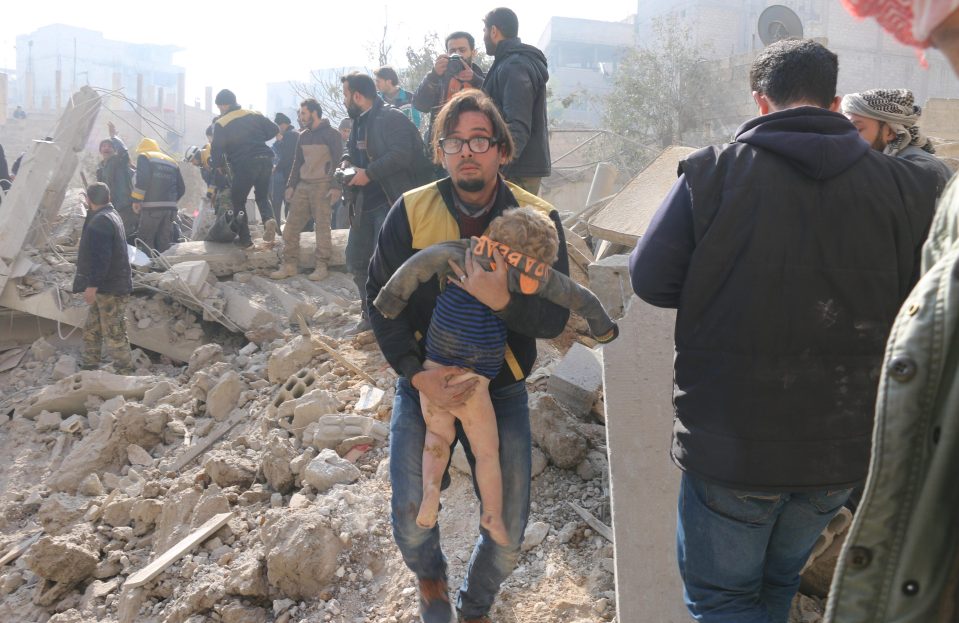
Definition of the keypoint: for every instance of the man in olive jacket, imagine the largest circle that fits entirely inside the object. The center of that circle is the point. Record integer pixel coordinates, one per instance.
(900, 562)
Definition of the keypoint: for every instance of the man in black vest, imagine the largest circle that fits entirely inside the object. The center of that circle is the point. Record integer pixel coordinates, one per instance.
(105, 279)
(787, 254)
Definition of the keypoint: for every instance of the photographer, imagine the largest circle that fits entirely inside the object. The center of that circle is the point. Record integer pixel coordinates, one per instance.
(452, 72)
(386, 151)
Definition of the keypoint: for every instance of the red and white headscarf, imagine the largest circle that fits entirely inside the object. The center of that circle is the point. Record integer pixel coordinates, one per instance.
(909, 21)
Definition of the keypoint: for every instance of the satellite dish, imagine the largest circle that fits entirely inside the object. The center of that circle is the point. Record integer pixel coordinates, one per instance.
(778, 22)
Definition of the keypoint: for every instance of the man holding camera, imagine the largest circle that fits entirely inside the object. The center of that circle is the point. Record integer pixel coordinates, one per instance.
(309, 190)
(452, 72)
(386, 151)
(517, 83)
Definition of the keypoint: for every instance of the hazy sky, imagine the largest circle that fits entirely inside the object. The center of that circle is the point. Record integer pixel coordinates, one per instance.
(244, 45)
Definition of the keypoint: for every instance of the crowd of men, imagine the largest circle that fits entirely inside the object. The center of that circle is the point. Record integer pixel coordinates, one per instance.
(806, 258)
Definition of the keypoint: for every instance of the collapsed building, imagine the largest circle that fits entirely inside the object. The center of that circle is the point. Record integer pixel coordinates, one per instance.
(241, 475)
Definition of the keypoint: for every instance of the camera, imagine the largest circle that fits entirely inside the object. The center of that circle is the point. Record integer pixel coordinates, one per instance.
(456, 65)
(344, 176)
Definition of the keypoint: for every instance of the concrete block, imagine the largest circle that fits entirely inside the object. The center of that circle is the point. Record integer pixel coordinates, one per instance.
(69, 395)
(65, 366)
(370, 398)
(222, 399)
(244, 312)
(327, 470)
(42, 350)
(289, 358)
(330, 430)
(644, 483)
(188, 277)
(310, 408)
(47, 421)
(609, 281)
(578, 379)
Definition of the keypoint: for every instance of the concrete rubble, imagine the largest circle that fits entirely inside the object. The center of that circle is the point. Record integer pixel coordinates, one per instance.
(238, 408)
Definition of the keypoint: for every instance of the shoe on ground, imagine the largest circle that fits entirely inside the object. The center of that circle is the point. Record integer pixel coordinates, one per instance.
(435, 604)
(244, 244)
(359, 327)
(319, 274)
(482, 619)
(286, 270)
(269, 230)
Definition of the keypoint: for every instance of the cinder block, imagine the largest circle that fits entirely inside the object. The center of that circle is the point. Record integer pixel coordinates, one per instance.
(609, 281)
(578, 379)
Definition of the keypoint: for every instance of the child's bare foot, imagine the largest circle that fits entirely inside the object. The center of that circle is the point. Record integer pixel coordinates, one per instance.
(496, 528)
(429, 508)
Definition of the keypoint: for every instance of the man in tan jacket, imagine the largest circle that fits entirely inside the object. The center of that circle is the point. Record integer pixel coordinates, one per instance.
(309, 190)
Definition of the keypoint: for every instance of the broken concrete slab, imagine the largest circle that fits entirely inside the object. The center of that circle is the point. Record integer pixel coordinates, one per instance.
(69, 396)
(644, 483)
(289, 358)
(327, 470)
(226, 259)
(42, 180)
(577, 381)
(609, 281)
(187, 277)
(627, 216)
(158, 337)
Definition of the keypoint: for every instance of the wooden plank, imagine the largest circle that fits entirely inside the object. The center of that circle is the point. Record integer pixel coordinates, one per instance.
(170, 556)
(602, 529)
(19, 549)
(204, 444)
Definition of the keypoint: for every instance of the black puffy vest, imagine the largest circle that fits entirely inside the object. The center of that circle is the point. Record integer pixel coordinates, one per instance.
(790, 294)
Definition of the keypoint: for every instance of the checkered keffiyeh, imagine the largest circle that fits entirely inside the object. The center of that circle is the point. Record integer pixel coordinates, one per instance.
(909, 21)
(897, 109)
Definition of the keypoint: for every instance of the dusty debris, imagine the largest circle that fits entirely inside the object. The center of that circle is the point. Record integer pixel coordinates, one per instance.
(301, 552)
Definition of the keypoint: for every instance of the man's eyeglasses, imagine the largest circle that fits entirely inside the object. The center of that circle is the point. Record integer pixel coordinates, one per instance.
(478, 144)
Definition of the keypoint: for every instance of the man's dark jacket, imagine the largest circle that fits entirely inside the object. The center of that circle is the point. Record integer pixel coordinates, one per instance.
(115, 172)
(426, 216)
(517, 83)
(395, 150)
(102, 260)
(241, 134)
(431, 95)
(285, 151)
(788, 253)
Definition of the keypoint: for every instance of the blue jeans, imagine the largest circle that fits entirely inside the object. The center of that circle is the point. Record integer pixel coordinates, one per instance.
(740, 552)
(490, 563)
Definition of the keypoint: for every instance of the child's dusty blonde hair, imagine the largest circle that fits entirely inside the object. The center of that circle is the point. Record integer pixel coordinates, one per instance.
(528, 231)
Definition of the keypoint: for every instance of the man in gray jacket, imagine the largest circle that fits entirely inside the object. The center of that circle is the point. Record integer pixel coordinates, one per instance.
(517, 83)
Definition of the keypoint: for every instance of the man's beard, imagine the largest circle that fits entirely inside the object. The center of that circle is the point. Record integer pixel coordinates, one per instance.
(353, 110)
(879, 144)
(490, 46)
(471, 185)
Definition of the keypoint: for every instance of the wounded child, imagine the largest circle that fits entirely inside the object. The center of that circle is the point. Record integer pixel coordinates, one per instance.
(466, 333)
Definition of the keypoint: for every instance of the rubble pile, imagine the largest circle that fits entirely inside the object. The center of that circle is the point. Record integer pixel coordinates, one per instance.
(110, 473)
